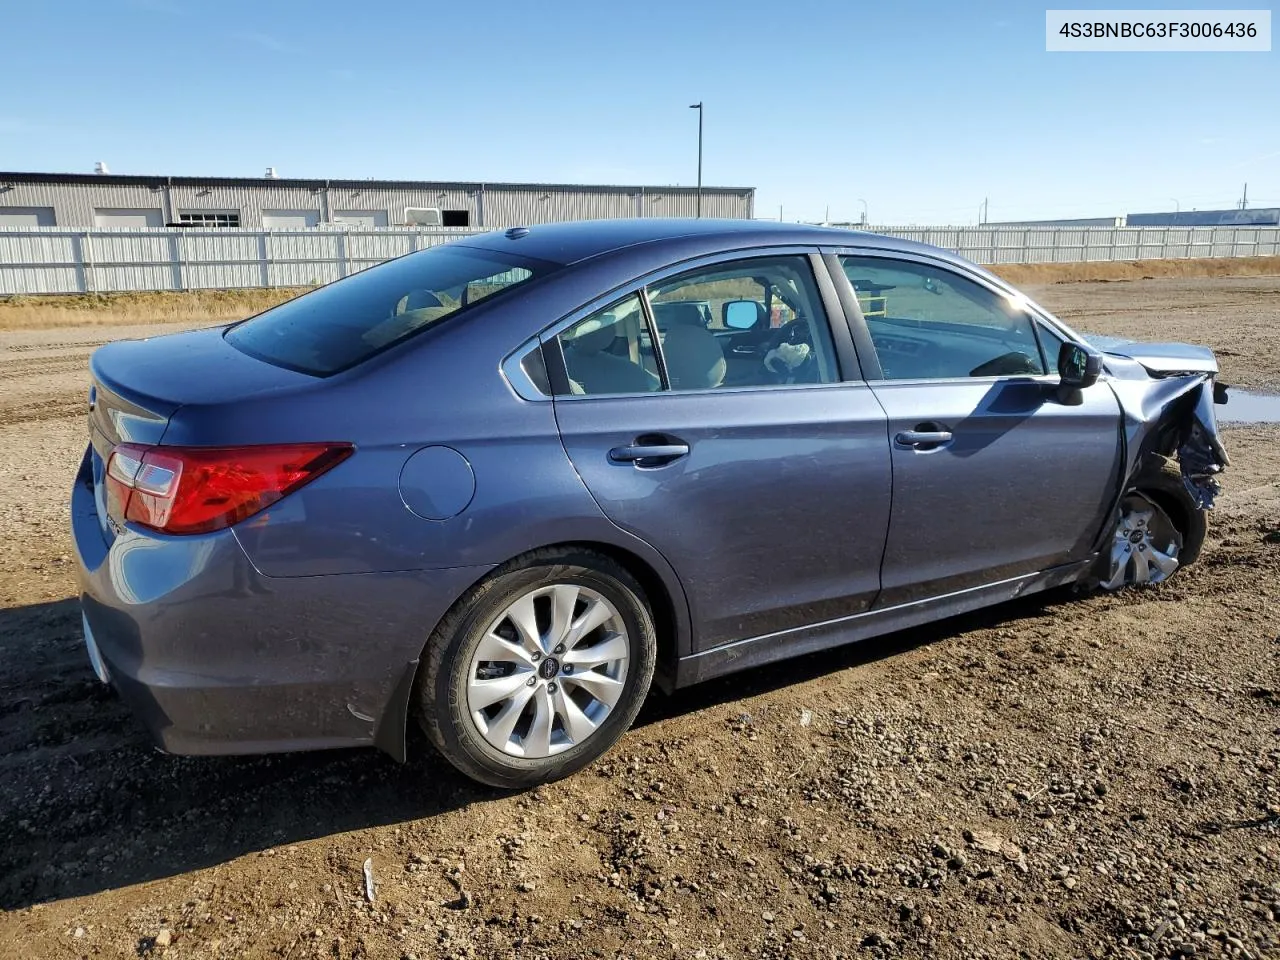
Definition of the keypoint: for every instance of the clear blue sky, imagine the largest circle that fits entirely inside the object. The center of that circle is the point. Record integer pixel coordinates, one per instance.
(920, 108)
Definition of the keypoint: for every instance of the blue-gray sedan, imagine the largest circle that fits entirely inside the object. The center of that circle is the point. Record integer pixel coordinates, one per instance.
(503, 486)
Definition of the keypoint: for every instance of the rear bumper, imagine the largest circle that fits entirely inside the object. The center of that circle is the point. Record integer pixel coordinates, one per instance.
(216, 658)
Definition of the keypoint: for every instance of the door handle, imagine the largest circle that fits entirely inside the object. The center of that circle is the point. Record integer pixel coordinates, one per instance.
(922, 438)
(649, 454)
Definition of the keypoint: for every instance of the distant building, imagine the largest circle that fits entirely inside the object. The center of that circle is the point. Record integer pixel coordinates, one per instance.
(1260, 217)
(1076, 222)
(81, 201)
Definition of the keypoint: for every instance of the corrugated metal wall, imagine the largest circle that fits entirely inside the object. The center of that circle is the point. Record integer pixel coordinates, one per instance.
(509, 207)
(51, 260)
(486, 205)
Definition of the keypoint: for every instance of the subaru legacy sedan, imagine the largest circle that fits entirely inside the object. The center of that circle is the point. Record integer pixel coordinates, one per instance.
(501, 487)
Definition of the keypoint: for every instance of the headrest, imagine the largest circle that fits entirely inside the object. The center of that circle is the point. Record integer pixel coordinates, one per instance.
(694, 358)
(680, 312)
(594, 335)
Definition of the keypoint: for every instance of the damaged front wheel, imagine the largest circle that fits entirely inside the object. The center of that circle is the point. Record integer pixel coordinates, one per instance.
(1159, 529)
(1146, 544)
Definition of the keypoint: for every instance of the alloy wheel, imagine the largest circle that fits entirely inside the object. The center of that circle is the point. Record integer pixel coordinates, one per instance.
(1145, 546)
(548, 670)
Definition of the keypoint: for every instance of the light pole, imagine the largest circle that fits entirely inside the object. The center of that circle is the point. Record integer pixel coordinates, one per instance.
(1177, 208)
(698, 106)
(864, 211)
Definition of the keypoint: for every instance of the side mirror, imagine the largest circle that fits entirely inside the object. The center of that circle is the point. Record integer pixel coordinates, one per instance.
(741, 314)
(1079, 366)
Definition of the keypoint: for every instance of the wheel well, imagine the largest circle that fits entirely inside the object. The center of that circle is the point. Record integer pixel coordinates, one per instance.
(665, 622)
(1173, 506)
(1158, 480)
(664, 613)
(392, 732)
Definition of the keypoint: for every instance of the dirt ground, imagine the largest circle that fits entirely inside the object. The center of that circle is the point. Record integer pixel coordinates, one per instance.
(1051, 778)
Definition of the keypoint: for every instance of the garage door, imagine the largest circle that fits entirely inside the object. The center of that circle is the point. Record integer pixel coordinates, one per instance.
(128, 217)
(289, 219)
(26, 217)
(361, 218)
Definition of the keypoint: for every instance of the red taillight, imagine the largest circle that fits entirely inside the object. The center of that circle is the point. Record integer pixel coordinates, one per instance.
(199, 489)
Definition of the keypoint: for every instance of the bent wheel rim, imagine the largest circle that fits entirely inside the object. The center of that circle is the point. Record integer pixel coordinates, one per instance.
(548, 671)
(1145, 546)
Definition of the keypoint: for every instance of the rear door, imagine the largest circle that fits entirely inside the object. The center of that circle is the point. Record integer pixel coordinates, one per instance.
(769, 495)
(994, 474)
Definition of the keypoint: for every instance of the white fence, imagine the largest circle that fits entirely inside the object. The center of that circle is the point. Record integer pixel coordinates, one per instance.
(992, 245)
(53, 260)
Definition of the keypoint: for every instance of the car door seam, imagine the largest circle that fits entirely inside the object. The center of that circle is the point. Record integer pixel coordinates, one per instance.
(888, 527)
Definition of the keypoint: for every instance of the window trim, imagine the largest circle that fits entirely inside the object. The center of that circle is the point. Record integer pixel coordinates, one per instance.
(1051, 363)
(848, 369)
(655, 340)
(862, 333)
(517, 378)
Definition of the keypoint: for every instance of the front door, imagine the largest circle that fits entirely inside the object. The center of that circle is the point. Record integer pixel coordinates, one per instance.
(769, 496)
(994, 475)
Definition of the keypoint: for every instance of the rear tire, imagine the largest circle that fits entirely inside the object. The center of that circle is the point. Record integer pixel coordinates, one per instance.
(538, 670)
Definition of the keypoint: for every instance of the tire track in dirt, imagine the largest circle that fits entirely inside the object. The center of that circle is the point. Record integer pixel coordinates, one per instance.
(42, 388)
(42, 366)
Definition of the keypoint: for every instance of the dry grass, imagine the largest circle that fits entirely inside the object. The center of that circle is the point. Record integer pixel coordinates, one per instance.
(218, 306)
(195, 308)
(1019, 273)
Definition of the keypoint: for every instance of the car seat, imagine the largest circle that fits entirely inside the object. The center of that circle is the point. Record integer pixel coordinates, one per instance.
(590, 364)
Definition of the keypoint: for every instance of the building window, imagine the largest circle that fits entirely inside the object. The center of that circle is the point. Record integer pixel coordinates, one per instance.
(209, 218)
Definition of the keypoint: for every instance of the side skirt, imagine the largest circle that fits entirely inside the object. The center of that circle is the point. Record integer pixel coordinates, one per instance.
(757, 651)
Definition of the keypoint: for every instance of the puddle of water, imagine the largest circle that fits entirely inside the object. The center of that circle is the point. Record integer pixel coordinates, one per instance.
(1245, 407)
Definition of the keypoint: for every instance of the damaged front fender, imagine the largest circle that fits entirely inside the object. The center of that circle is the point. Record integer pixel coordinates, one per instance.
(1169, 413)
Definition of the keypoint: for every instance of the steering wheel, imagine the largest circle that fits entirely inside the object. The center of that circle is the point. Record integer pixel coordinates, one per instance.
(1009, 364)
(794, 332)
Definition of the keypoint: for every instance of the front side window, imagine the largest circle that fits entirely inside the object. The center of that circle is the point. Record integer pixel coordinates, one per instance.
(347, 322)
(1050, 345)
(929, 323)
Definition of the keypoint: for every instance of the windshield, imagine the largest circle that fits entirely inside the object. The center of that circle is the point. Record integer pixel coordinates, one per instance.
(345, 323)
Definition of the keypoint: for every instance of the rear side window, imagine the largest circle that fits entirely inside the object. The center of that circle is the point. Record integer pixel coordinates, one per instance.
(611, 352)
(346, 322)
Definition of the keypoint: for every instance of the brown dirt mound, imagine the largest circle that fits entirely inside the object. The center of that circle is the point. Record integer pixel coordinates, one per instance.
(195, 307)
(1019, 273)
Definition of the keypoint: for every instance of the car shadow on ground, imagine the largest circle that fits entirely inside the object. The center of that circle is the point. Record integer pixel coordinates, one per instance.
(88, 804)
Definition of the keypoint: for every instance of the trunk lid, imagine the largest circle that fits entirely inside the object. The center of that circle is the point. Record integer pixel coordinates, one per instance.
(138, 385)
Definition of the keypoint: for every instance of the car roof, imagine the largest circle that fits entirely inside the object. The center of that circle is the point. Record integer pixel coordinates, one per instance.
(574, 241)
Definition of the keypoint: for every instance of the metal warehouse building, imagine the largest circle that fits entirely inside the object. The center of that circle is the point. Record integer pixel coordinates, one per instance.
(82, 201)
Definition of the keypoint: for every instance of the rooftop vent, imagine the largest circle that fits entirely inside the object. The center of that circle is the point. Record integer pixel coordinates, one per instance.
(271, 174)
(101, 167)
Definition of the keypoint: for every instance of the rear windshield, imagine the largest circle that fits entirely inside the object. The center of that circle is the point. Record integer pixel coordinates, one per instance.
(349, 321)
